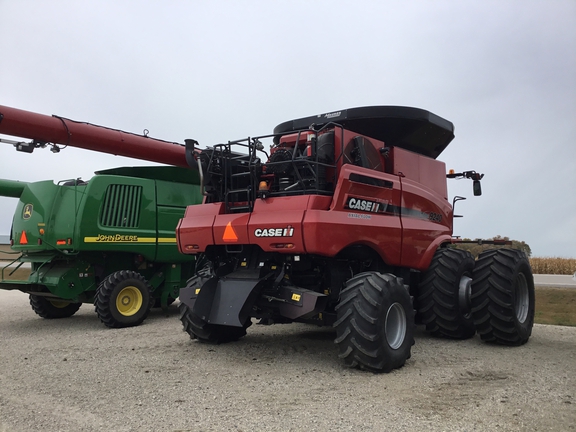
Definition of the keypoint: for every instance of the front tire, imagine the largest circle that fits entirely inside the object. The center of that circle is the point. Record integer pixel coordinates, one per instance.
(503, 297)
(53, 308)
(123, 299)
(444, 295)
(375, 322)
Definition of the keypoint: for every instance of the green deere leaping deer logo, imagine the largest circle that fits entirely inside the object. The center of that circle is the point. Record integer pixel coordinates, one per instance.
(27, 214)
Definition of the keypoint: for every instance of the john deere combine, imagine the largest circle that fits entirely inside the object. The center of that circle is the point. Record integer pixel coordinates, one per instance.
(109, 241)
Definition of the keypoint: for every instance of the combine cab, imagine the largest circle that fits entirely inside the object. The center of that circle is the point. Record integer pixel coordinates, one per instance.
(344, 222)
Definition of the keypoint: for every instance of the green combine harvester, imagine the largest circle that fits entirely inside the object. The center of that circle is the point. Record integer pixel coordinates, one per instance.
(109, 241)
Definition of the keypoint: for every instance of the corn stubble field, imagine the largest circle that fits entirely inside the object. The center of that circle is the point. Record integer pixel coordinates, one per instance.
(556, 266)
(555, 306)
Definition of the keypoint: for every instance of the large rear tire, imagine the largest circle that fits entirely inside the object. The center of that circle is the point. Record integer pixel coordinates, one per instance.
(199, 329)
(503, 297)
(123, 299)
(375, 322)
(50, 308)
(444, 295)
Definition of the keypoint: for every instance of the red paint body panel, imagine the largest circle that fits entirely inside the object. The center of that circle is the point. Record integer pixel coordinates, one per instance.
(239, 225)
(58, 130)
(420, 169)
(327, 233)
(286, 213)
(194, 231)
(426, 218)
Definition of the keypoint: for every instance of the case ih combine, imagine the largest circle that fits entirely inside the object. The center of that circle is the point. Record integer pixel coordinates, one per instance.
(109, 241)
(344, 221)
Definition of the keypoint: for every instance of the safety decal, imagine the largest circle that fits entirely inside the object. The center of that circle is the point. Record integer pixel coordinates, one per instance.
(229, 234)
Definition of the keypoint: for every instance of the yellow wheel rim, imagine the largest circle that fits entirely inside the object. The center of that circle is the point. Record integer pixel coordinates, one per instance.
(129, 301)
(60, 304)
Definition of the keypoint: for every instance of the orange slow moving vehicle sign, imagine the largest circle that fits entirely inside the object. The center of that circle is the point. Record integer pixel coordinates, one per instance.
(229, 234)
(23, 238)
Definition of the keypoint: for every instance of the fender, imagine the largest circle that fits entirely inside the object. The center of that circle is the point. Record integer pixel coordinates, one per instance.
(429, 253)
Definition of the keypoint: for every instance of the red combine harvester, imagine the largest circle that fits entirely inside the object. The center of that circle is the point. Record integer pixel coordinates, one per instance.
(346, 222)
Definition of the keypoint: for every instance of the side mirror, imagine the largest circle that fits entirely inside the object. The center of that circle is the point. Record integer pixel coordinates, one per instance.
(477, 187)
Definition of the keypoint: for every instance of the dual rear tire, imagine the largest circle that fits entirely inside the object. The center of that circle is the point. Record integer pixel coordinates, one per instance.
(444, 294)
(493, 296)
(503, 297)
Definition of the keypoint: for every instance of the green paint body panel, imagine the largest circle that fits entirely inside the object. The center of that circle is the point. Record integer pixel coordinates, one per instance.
(78, 233)
(11, 188)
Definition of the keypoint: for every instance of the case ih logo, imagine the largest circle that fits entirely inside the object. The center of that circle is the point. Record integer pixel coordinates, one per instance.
(362, 205)
(274, 232)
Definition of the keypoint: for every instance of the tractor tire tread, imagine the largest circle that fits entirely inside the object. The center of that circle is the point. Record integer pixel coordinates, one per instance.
(103, 302)
(359, 334)
(437, 301)
(493, 297)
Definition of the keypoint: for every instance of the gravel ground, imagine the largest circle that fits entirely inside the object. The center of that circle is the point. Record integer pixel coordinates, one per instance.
(75, 374)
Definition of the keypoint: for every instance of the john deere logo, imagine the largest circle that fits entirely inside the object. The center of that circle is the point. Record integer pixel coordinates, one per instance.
(27, 214)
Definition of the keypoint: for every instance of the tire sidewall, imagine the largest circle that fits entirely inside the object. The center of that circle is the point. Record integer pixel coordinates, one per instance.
(361, 322)
(524, 328)
(465, 268)
(394, 295)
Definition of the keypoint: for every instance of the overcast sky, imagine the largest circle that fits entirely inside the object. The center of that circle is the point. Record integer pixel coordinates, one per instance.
(504, 72)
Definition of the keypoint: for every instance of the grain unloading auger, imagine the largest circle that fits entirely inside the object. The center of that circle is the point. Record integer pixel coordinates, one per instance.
(55, 131)
(108, 241)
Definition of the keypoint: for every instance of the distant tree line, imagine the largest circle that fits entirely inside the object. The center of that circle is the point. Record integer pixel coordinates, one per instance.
(479, 247)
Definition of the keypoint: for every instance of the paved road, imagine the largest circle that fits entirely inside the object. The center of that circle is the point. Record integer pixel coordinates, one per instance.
(557, 281)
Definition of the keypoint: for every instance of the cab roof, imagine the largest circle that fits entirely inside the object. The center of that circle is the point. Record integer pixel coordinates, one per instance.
(410, 128)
